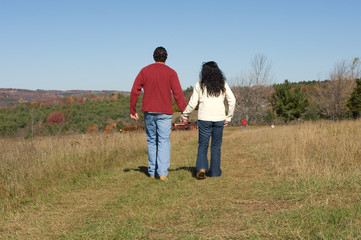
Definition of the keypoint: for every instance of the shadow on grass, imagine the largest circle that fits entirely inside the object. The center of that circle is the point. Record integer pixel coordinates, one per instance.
(144, 169)
(192, 170)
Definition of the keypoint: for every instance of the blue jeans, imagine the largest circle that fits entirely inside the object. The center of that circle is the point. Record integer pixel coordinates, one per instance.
(158, 128)
(209, 129)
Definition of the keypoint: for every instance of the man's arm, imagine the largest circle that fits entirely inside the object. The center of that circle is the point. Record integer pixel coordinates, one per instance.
(134, 94)
(177, 92)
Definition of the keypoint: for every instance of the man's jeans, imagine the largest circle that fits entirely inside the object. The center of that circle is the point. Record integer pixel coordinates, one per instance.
(158, 128)
(209, 129)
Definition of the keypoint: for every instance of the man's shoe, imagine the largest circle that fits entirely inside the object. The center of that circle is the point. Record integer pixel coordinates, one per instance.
(163, 178)
(201, 174)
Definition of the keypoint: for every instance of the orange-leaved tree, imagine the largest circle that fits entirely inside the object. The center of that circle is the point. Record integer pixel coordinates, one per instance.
(55, 118)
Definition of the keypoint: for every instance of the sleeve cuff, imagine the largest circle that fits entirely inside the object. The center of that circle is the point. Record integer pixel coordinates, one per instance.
(184, 116)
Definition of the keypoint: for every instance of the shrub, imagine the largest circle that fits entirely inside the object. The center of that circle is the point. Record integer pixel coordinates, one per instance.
(55, 118)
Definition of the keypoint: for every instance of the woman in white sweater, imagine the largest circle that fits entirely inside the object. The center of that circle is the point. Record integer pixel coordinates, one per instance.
(210, 93)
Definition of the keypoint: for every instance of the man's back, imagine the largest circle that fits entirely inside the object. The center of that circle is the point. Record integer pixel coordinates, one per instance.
(158, 81)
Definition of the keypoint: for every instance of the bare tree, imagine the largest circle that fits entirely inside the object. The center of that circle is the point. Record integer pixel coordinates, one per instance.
(260, 70)
(251, 103)
(356, 68)
(252, 91)
(332, 96)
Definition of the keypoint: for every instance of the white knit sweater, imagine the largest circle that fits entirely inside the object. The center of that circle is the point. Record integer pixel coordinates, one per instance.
(211, 108)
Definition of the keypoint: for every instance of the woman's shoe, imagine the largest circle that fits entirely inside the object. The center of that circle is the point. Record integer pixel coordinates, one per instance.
(201, 174)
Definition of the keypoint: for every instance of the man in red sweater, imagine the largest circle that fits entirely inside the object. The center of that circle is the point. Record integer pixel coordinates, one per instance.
(158, 82)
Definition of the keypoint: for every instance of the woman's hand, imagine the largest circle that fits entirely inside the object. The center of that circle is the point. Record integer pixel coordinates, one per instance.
(226, 123)
(184, 120)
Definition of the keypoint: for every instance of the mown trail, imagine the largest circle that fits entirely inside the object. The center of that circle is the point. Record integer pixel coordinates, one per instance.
(250, 200)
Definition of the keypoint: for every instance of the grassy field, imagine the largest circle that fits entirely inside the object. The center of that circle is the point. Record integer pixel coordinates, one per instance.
(291, 182)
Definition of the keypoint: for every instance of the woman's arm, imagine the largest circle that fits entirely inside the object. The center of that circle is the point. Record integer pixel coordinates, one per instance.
(231, 103)
(193, 102)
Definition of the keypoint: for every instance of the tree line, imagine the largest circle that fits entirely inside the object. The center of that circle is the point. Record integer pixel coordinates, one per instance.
(257, 102)
(336, 98)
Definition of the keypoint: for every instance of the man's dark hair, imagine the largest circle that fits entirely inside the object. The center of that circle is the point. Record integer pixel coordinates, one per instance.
(160, 54)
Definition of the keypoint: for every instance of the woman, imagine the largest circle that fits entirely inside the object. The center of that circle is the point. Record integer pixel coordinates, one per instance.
(210, 93)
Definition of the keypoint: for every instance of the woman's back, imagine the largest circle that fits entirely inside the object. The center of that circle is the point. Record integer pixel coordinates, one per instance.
(212, 108)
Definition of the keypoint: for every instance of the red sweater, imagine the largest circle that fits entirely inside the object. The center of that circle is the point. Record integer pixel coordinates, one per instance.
(157, 80)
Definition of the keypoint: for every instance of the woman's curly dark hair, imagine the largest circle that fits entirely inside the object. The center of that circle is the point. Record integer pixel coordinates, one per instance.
(212, 78)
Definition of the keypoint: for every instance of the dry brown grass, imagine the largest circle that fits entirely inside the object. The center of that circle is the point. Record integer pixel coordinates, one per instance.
(291, 182)
(328, 149)
(29, 165)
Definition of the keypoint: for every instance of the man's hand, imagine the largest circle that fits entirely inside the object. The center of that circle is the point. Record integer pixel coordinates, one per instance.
(134, 116)
(226, 123)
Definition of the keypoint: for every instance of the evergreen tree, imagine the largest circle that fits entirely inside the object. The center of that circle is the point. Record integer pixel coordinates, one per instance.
(354, 102)
(288, 102)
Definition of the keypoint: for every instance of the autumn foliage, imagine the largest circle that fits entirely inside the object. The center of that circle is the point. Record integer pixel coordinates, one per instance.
(55, 118)
(108, 129)
(92, 128)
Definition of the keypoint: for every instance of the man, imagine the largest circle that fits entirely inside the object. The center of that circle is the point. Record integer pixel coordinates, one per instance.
(158, 81)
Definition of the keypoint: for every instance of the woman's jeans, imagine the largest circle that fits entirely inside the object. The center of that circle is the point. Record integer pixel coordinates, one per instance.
(158, 128)
(206, 130)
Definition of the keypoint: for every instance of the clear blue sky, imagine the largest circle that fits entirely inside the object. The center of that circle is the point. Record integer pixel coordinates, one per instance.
(103, 44)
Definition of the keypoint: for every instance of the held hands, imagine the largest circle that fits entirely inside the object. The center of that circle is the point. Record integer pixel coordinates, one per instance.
(134, 116)
(184, 120)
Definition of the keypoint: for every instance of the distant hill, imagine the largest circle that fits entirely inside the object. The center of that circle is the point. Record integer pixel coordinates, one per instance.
(11, 96)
